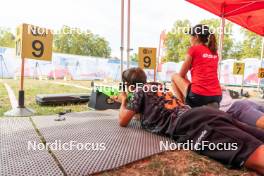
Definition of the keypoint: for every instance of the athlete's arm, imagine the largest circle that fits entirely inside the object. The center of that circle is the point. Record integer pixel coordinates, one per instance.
(125, 115)
(186, 66)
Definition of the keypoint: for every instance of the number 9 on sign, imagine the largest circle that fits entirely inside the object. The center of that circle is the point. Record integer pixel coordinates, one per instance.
(33, 42)
(38, 48)
(147, 58)
(147, 62)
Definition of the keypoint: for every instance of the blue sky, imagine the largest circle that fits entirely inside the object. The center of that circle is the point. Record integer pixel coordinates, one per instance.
(148, 17)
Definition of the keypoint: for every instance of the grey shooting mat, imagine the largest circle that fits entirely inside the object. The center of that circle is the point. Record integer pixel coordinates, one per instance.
(122, 145)
(16, 159)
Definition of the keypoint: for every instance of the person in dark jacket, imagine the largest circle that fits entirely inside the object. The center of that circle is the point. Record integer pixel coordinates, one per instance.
(163, 114)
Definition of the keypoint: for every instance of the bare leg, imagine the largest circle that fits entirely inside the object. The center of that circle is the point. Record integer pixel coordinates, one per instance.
(177, 92)
(180, 86)
(256, 160)
(260, 122)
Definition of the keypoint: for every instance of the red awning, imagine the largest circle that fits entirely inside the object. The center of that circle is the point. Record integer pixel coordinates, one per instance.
(246, 13)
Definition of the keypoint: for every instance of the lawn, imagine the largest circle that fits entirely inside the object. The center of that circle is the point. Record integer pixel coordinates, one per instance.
(4, 100)
(178, 163)
(34, 87)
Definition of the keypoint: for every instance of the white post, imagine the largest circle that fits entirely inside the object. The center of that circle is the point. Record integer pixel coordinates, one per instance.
(54, 71)
(122, 37)
(261, 60)
(262, 49)
(159, 59)
(220, 45)
(128, 34)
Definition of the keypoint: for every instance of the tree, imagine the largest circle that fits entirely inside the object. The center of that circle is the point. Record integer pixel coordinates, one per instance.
(177, 42)
(74, 41)
(214, 24)
(237, 51)
(251, 45)
(7, 39)
(134, 57)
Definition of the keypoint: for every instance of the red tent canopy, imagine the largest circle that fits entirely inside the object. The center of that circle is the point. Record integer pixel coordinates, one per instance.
(246, 13)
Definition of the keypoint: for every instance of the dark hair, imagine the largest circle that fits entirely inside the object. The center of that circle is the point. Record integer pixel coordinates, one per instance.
(212, 45)
(205, 36)
(133, 76)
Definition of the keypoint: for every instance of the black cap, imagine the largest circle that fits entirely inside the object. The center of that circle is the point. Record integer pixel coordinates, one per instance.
(200, 29)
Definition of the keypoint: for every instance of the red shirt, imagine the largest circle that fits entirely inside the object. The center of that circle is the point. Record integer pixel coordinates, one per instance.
(204, 71)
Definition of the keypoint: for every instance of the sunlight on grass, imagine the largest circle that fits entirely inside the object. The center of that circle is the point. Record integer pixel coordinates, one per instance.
(4, 100)
(34, 87)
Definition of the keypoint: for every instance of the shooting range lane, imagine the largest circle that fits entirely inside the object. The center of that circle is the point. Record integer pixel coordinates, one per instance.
(11, 95)
(122, 145)
(16, 159)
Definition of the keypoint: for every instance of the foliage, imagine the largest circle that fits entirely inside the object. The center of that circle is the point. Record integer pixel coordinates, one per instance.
(134, 57)
(177, 42)
(228, 42)
(74, 41)
(7, 39)
(251, 45)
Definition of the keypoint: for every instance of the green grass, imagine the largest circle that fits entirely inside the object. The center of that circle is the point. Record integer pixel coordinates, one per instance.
(4, 100)
(34, 87)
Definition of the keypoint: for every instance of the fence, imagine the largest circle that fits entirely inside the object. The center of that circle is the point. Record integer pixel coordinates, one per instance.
(90, 68)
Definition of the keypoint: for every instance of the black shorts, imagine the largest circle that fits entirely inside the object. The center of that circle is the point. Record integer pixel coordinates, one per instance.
(209, 125)
(195, 100)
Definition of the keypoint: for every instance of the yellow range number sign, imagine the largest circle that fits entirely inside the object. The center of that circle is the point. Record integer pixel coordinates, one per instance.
(261, 73)
(238, 68)
(147, 58)
(34, 42)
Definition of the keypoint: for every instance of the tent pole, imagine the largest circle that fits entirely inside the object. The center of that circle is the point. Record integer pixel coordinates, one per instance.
(159, 59)
(122, 37)
(262, 49)
(261, 60)
(128, 34)
(220, 45)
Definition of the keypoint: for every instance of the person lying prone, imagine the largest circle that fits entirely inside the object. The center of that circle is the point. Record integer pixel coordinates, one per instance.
(163, 114)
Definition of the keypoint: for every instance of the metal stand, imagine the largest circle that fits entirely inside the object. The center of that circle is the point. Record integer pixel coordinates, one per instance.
(21, 110)
(36, 74)
(122, 38)
(3, 65)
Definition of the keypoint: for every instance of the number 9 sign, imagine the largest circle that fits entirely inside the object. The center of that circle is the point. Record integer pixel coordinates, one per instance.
(34, 42)
(147, 58)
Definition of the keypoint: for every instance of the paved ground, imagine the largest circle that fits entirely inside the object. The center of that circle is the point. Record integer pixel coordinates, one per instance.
(108, 146)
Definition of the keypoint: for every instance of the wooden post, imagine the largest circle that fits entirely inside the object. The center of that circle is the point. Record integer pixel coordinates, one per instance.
(22, 74)
(21, 96)
(155, 74)
(242, 85)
